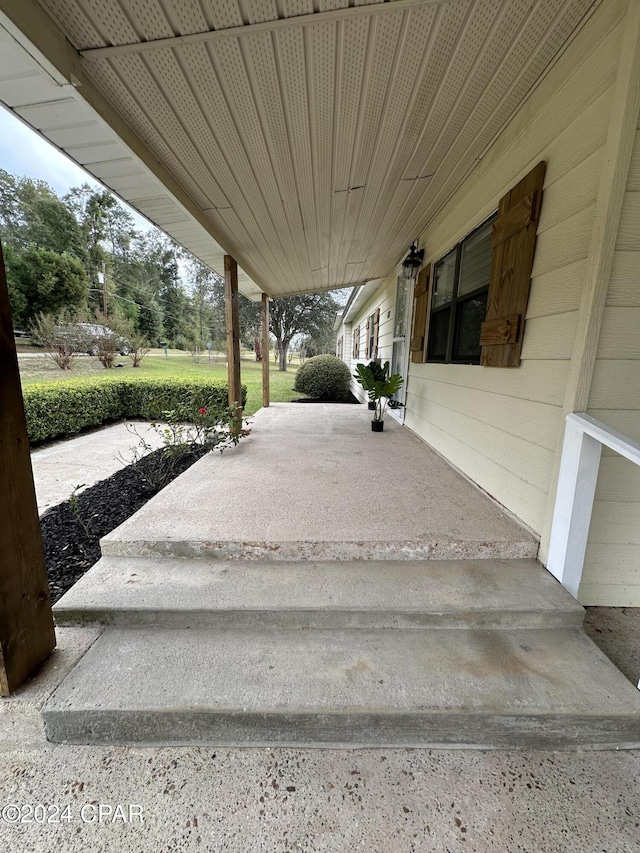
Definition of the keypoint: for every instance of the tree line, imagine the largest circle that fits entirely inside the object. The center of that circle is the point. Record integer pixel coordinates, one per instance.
(82, 254)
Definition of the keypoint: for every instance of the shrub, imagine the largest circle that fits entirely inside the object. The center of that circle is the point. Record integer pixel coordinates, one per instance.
(60, 336)
(325, 377)
(65, 408)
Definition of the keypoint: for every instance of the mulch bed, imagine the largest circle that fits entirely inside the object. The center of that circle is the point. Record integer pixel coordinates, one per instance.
(348, 399)
(71, 532)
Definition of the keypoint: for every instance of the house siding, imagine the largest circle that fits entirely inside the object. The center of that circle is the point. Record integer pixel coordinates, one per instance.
(384, 299)
(611, 574)
(501, 427)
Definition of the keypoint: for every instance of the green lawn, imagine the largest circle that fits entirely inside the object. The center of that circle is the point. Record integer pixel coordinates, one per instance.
(42, 369)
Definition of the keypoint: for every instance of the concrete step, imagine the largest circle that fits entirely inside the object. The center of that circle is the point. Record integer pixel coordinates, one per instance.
(261, 687)
(365, 594)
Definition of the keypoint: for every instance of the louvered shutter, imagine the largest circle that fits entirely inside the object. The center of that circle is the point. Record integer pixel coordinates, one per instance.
(419, 324)
(513, 241)
(368, 338)
(376, 332)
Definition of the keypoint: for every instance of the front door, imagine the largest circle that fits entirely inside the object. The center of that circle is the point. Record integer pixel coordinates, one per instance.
(399, 353)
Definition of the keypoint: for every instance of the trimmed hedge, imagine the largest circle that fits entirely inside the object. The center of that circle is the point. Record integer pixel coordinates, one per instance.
(65, 408)
(326, 377)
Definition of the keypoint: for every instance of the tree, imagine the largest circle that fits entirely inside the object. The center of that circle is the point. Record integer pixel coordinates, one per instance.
(207, 295)
(250, 315)
(47, 281)
(31, 214)
(309, 314)
(91, 209)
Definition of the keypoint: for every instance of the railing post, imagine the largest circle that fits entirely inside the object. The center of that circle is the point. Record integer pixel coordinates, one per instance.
(577, 480)
(233, 336)
(26, 622)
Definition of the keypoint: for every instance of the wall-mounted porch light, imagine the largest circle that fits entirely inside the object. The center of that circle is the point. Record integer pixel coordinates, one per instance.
(411, 263)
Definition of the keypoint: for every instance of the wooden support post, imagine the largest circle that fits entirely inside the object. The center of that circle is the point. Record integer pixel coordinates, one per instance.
(233, 334)
(26, 622)
(265, 350)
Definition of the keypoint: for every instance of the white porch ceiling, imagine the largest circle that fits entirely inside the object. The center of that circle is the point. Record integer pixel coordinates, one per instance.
(311, 139)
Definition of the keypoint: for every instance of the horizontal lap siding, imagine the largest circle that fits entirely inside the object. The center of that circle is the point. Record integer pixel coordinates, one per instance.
(500, 426)
(384, 299)
(611, 574)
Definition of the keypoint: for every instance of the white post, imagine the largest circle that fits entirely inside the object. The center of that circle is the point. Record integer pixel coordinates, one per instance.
(574, 502)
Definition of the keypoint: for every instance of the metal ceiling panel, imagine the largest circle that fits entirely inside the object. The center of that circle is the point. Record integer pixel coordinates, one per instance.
(315, 138)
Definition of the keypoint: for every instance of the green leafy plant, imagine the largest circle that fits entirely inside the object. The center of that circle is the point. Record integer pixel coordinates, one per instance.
(379, 384)
(371, 373)
(75, 506)
(326, 377)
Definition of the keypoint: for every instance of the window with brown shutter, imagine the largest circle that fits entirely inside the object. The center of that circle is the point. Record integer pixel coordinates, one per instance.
(355, 349)
(419, 322)
(480, 288)
(376, 333)
(513, 241)
(371, 339)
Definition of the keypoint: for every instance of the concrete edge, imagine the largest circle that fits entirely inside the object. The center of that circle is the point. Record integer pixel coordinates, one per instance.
(320, 618)
(425, 730)
(301, 551)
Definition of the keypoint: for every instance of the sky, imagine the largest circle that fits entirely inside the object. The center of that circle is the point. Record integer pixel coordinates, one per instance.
(26, 154)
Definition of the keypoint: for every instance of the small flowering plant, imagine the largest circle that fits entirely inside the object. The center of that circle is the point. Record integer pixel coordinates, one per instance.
(184, 433)
(213, 428)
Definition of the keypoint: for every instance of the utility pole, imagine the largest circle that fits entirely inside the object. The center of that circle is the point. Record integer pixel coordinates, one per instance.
(102, 279)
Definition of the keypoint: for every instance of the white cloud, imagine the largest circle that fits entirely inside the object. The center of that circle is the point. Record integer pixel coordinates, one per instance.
(25, 153)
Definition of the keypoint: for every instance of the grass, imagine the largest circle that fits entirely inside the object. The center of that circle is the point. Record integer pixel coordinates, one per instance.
(42, 369)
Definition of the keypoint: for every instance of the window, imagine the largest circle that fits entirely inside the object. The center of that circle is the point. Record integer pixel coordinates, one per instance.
(371, 339)
(479, 291)
(459, 300)
(340, 347)
(356, 343)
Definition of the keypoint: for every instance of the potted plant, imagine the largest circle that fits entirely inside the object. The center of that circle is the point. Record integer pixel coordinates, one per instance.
(380, 385)
(367, 377)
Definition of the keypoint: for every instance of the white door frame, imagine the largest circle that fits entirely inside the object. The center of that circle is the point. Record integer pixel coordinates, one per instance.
(399, 414)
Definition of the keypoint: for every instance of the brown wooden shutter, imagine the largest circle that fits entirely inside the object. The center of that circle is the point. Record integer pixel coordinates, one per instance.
(419, 323)
(376, 332)
(368, 338)
(513, 241)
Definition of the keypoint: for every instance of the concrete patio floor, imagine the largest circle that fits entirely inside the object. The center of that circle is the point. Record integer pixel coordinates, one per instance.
(313, 481)
(61, 466)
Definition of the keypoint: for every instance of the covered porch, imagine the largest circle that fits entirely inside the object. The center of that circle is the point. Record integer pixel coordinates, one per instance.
(323, 585)
(300, 147)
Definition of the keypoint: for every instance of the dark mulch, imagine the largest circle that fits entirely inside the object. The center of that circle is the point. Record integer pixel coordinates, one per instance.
(348, 399)
(71, 535)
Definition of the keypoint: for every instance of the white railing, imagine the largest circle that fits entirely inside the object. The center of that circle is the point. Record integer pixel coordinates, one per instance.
(579, 464)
